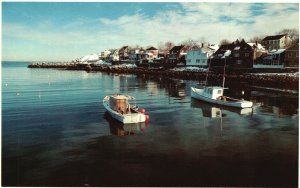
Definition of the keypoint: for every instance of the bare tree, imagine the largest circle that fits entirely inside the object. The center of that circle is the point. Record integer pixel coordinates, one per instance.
(136, 46)
(257, 38)
(292, 33)
(165, 47)
(169, 45)
(160, 46)
(202, 40)
(190, 43)
(225, 41)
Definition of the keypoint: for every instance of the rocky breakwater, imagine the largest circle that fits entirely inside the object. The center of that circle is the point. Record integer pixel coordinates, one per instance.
(52, 65)
(269, 80)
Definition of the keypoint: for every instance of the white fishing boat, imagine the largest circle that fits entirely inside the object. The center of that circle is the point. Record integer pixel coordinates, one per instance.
(119, 107)
(214, 94)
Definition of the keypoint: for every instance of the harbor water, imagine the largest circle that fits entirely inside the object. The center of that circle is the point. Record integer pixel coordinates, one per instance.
(55, 132)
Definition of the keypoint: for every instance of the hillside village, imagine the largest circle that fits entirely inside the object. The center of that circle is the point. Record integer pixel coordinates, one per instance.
(275, 51)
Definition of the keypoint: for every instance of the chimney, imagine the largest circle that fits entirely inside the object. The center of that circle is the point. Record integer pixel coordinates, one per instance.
(202, 45)
(256, 43)
(286, 40)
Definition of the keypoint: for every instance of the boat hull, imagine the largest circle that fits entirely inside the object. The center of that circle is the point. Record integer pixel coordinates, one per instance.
(197, 94)
(124, 118)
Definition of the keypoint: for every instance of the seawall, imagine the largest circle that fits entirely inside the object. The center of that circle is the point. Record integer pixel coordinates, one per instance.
(282, 81)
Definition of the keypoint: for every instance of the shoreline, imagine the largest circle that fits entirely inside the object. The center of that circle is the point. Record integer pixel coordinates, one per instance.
(276, 81)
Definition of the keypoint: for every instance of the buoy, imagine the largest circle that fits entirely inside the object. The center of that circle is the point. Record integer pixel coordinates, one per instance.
(147, 117)
(18, 93)
(143, 110)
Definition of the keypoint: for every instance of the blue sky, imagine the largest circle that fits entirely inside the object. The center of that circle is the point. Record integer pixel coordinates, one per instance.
(68, 30)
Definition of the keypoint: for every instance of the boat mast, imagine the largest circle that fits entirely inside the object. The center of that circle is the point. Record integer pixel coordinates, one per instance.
(224, 73)
(207, 71)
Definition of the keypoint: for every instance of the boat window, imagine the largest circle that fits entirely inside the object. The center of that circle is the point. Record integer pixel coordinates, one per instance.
(219, 91)
(209, 91)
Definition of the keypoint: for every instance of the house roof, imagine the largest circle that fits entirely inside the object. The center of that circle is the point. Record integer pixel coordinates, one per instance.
(226, 47)
(123, 48)
(259, 46)
(275, 37)
(214, 47)
(151, 48)
(177, 48)
(279, 51)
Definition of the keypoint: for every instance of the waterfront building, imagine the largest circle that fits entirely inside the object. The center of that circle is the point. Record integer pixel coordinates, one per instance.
(124, 53)
(149, 55)
(105, 54)
(199, 56)
(292, 56)
(274, 59)
(218, 58)
(177, 55)
(239, 54)
(245, 54)
(276, 42)
(114, 55)
(152, 51)
(135, 54)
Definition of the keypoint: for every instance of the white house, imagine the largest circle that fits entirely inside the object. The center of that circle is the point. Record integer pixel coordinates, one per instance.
(199, 56)
(114, 55)
(105, 54)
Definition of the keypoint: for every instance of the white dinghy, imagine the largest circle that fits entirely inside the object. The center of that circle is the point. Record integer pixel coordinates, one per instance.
(119, 107)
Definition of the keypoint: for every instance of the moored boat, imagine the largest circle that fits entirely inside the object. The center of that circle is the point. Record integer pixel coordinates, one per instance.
(214, 94)
(119, 107)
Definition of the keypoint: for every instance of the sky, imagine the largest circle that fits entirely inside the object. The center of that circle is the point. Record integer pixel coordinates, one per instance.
(63, 31)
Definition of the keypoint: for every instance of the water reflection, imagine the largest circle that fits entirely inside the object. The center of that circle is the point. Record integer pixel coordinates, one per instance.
(215, 111)
(119, 129)
(278, 104)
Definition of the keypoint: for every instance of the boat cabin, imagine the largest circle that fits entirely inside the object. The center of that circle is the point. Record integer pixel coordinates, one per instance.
(213, 92)
(119, 103)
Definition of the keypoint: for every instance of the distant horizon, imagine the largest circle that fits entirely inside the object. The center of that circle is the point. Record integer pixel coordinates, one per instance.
(43, 31)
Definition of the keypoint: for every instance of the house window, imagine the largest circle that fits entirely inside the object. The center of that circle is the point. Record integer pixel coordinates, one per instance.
(297, 54)
(219, 91)
(203, 61)
(246, 54)
(189, 60)
(239, 61)
(197, 60)
(236, 55)
(289, 54)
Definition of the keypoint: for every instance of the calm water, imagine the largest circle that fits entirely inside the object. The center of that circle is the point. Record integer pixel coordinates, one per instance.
(55, 132)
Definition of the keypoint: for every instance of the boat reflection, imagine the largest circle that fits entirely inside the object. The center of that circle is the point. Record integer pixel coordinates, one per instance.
(119, 129)
(217, 111)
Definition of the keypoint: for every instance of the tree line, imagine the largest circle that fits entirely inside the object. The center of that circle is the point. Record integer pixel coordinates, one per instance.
(167, 46)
